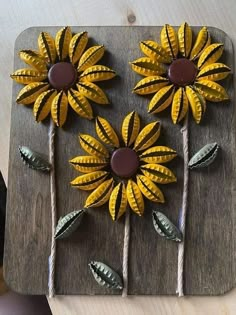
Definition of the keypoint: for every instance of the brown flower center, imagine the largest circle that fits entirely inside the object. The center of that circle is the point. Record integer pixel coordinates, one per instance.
(124, 162)
(182, 72)
(62, 75)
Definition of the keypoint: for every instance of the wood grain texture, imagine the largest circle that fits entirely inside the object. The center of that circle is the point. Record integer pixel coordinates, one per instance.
(209, 267)
(16, 16)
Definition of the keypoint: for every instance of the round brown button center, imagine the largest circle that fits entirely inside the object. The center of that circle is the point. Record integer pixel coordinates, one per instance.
(124, 162)
(182, 72)
(62, 75)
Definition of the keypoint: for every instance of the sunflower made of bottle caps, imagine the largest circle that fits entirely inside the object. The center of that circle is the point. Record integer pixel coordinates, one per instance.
(61, 74)
(127, 170)
(181, 74)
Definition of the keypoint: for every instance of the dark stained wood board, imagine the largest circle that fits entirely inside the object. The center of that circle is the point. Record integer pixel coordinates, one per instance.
(210, 243)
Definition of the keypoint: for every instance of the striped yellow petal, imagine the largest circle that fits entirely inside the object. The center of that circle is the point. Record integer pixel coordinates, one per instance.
(92, 92)
(80, 104)
(147, 67)
(26, 75)
(100, 195)
(97, 73)
(197, 103)
(214, 72)
(158, 173)
(43, 104)
(169, 40)
(210, 55)
(90, 57)
(30, 92)
(212, 91)
(118, 202)
(135, 198)
(88, 164)
(106, 133)
(47, 47)
(59, 109)
(185, 39)
(93, 146)
(155, 51)
(149, 189)
(179, 105)
(158, 154)
(77, 46)
(62, 42)
(130, 128)
(162, 99)
(33, 59)
(147, 136)
(89, 181)
(203, 40)
(150, 85)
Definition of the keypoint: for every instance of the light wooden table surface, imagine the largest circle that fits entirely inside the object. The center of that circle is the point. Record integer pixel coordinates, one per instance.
(15, 16)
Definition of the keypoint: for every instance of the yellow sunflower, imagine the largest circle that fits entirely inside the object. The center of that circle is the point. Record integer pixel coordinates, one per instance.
(180, 73)
(62, 73)
(125, 172)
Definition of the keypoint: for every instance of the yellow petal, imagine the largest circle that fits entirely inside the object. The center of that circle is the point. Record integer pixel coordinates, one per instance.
(77, 46)
(197, 103)
(169, 40)
(130, 128)
(89, 181)
(97, 73)
(93, 146)
(212, 91)
(80, 104)
(158, 173)
(30, 92)
(148, 136)
(150, 85)
(26, 75)
(100, 195)
(203, 40)
(62, 42)
(33, 59)
(179, 107)
(147, 67)
(92, 92)
(59, 109)
(90, 57)
(149, 189)
(135, 197)
(106, 133)
(210, 55)
(185, 39)
(162, 99)
(118, 202)
(43, 104)
(158, 154)
(47, 47)
(214, 72)
(155, 51)
(88, 164)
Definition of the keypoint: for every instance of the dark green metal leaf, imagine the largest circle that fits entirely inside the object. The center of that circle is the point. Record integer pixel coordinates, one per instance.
(34, 159)
(205, 156)
(105, 276)
(68, 224)
(165, 227)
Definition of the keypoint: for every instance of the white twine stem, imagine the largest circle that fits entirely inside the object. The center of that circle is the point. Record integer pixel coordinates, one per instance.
(182, 215)
(126, 253)
(52, 257)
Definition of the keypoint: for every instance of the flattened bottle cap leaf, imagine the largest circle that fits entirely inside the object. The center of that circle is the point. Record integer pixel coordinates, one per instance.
(105, 276)
(165, 228)
(205, 156)
(68, 224)
(34, 159)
